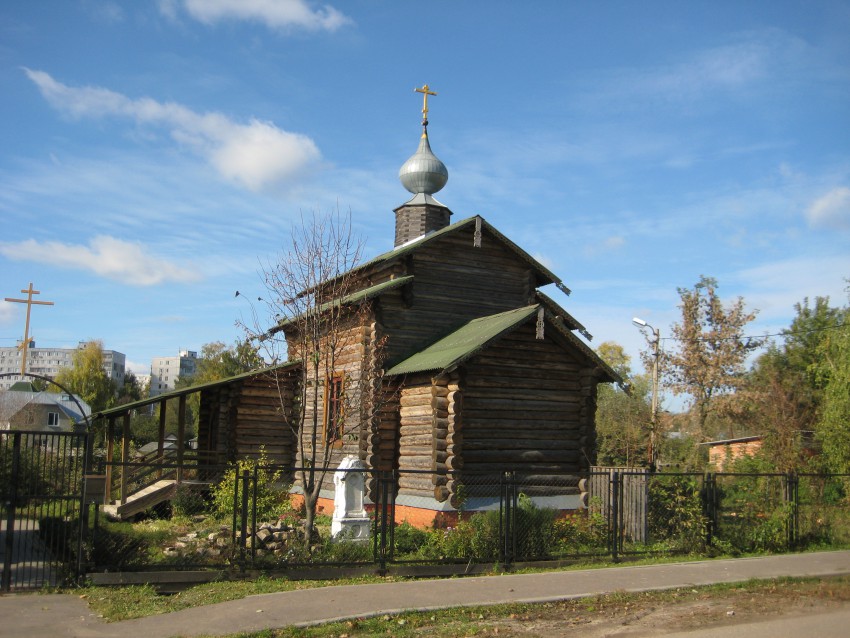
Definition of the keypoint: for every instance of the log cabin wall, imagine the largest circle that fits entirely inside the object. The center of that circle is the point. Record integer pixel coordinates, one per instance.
(416, 437)
(356, 359)
(447, 406)
(263, 418)
(236, 419)
(453, 283)
(526, 407)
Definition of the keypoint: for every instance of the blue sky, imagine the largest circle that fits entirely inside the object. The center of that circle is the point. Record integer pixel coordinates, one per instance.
(155, 154)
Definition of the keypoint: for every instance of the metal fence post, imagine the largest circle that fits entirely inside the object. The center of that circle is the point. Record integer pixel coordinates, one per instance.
(507, 518)
(6, 584)
(792, 499)
(83, 519)
(383, 544)
(614, 523)
(709, 506)
(256, 490)
(243, 528)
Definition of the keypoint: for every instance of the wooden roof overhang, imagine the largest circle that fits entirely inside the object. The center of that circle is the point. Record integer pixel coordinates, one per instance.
(449, 352)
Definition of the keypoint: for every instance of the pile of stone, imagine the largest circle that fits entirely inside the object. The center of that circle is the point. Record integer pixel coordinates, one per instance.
(271, 538)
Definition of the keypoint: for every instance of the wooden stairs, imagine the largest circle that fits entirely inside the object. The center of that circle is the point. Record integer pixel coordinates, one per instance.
(153, 494)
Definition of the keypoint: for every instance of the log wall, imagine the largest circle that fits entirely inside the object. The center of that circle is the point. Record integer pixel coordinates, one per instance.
(528, 405)
(453, 283)
(236, 419)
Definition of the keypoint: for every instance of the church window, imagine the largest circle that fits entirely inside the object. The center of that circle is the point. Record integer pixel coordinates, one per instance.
(333, 410)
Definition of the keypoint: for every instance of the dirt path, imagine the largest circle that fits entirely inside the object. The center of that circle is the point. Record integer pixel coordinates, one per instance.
(660, 613)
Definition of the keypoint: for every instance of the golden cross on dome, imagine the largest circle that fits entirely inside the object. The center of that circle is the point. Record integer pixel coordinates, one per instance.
(425, 91)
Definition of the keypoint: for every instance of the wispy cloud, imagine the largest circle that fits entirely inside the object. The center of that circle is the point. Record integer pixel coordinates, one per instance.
(255, 155)
(275, 14)
(122, 261)
(775, 287)
(831, 210)
(7, 313)
(747, 59)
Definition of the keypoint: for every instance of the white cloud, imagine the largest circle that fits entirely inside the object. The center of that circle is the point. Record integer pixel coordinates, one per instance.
(7, 314)
(275, 14)
(254, 155)
(775, 287)
(137, 368)
(126, 262)
(831, 210)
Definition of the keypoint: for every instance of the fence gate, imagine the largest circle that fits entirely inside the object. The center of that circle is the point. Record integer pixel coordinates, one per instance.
(41, 493)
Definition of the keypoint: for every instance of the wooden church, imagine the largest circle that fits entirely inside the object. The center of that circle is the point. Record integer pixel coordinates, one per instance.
(478, 372)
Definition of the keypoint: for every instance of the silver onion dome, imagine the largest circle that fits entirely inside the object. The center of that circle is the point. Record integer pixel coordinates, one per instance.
(423, 172)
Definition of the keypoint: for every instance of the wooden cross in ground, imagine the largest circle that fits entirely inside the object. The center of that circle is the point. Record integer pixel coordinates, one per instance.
(426, 91)
(29, 302)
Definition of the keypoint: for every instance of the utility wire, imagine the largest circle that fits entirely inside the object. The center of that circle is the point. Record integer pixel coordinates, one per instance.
(786, 333)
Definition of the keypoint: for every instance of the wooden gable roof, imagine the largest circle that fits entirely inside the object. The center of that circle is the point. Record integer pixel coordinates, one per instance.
(479, 224)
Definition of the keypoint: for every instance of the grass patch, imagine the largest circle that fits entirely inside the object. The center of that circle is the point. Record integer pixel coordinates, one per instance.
(137, 601)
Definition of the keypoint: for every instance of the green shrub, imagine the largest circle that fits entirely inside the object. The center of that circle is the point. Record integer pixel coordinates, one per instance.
(409, 539)
(187, 501)
(270, 491)
(474, 538)
(583, 532)
(676, 516)
(535, 529)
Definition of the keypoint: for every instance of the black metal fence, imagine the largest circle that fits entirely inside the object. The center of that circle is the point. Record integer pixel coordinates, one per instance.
(252, 518)
(41, 492)
(56, 525)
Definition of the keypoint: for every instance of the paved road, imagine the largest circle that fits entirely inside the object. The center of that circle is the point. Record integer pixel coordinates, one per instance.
(66, 615)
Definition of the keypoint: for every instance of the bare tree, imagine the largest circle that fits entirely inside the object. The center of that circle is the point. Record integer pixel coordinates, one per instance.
(709, 362)
(318, 317)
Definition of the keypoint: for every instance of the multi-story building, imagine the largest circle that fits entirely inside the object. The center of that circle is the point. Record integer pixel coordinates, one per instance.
(166, 370)
(48, 361)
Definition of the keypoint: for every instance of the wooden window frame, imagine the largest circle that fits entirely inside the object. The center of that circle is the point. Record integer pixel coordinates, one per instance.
(334, 421)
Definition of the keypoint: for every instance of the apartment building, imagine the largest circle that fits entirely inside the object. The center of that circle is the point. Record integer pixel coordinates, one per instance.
(48, 361)
(166, 370)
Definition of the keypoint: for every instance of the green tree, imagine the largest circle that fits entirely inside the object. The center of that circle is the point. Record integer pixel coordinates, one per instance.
(832, 370)
(708, 363)
(785, 390)
(219, 361)
(130, 390)
(86, 377)
(622, 417)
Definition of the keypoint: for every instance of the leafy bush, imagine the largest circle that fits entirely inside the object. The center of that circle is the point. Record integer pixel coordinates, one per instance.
(269, 490)
(474, 538)
(535, 529)
(187, 501)
(583, 532)
(409, 539)
(676, 515)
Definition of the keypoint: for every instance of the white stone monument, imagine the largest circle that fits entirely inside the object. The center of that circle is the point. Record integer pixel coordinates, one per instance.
(350, 519)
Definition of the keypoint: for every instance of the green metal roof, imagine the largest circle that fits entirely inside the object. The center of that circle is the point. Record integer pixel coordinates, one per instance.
(453, 349)
(127, 407)
(356, 297)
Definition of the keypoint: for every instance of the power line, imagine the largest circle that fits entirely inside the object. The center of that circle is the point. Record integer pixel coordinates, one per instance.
(786, 333)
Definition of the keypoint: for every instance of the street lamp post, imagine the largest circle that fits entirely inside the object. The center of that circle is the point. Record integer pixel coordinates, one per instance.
(653, 423)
